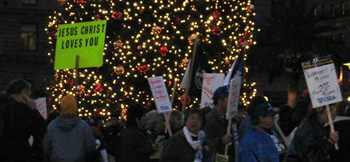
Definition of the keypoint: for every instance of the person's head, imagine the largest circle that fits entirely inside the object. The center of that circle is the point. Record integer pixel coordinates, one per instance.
(19, 89)
(292, 97)
(343, 108)
(257, 100)
(68, 106)
(176, 120)
(319, 114)
(155, 121)
(220, 99)
(135, 116)
(264, 116)
(194, 120)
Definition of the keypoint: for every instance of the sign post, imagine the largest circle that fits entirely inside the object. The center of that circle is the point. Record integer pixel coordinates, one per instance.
(321, 79)
(161, 98)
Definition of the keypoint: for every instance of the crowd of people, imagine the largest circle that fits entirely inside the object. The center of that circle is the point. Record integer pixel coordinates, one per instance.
(295, 132)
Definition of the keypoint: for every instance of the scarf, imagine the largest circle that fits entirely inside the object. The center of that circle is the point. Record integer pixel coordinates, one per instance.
(196, 145)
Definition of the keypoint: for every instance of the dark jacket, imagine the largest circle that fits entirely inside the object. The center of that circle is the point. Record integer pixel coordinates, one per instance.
(68, 139)
(286, 121)
(310, 143)
(177, 149)
(342, 126)
(215, 128)
(19, 123)
(134, 146)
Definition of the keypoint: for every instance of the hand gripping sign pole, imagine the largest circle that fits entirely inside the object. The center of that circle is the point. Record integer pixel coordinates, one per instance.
(322, 81)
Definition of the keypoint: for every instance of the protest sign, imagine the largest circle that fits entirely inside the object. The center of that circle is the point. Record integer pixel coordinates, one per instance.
(322, 81)
(233, 97)
(160, 94)
(85, 40)
(41, 106)
(211, 81)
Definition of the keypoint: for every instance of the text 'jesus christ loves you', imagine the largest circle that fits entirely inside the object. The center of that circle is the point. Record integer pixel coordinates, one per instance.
(323, 85)
(74, 33)
(84, 39)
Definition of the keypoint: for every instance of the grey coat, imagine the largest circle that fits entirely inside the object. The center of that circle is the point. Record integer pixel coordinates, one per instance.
(68, 140)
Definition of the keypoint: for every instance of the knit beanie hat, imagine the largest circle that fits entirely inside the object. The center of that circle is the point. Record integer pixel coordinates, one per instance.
(69, 106)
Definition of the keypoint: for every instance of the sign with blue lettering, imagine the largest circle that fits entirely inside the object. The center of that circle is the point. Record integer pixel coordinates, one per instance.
(322, 81)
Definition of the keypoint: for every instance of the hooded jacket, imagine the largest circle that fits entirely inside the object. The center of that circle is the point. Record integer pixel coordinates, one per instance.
(68, 139)
(19, 122)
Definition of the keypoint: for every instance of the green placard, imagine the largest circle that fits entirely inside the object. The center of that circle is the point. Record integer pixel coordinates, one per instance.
(84, 39)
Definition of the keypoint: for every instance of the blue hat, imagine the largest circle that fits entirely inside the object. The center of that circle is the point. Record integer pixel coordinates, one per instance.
(264, 109)
(221, 92)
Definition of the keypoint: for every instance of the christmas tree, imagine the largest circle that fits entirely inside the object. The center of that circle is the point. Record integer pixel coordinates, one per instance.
(151, 38)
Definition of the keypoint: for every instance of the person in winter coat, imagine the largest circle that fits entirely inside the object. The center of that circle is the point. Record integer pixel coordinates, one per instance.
(68, 138)
(20, 120)
(187, 145)
(134, 145)
(310, 142)
(216, 124)
(261, 143)
(342, 126)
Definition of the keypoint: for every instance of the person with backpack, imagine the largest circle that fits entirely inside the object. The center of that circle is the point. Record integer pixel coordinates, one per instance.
(20, 119)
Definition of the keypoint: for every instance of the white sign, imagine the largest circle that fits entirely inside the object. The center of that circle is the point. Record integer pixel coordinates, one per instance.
(160, 94)
(323, 85)
(233, 97)
(41, 106)
(211, 82)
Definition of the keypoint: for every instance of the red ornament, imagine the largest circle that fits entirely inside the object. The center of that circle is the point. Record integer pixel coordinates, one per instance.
(216, 31)
(71, 82)
(80, 1)
(143, 69)
(170, 83)
(98, 88)
(178, 19)
(117, 15)
(216, 14)
(183, 98)
(149, 104)
(141, 11)
(164, 50)
(97, 17)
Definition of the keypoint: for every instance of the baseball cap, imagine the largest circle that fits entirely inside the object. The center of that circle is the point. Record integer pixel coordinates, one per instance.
(264, 109)
(221, 92)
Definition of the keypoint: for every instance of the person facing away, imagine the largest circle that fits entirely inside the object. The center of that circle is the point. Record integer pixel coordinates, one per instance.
(134, 145)
(20, 120)
(342, 126)
(187, 145)
(261, 143)
(310, 142)
(216, 124)
(68, 138)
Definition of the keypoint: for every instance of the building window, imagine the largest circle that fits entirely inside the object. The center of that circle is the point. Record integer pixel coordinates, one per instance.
(333, 10)
(343, 8)
(315, 12)
(29, 2)
(28, 37)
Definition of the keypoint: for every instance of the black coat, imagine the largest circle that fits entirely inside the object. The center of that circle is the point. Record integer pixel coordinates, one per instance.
(342, 126)
(19, 123)
(177, 149)
(310, 143)
(215, 129)
(134, 146)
